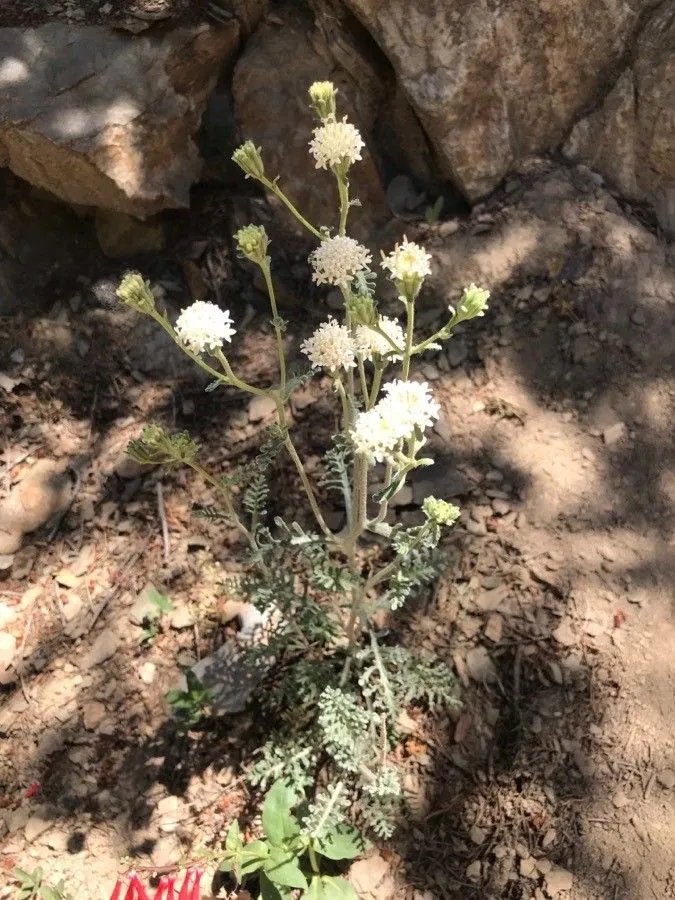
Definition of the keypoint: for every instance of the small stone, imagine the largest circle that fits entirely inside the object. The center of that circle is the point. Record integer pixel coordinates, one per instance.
(478, 835)
(474, 870)
(456, 352)
(103, 648)
(478, 529)
(588, 454)
(67, 579)
(614, 433)
(564, 635)
(37, 824)
(445, 229)
(72, 607)
(640, 829)
(501, 507)
(666, 779)
(557, 881)
(147, 672)
(128, 469)
(261, 408)
(494, 628)
(7, 649)
(480, 666)
(549, 838)
(619, 800)
(555, 672)
(478, 406)
(544, 866)
(17, 819)
(527, 867)
(181, 617)
(638, 317)
(430, 372)
(93, 715)
(367, 874)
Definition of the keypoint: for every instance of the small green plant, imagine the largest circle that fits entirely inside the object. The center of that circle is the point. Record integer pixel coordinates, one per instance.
(33, 885)
(152, 621)
(191, 705)
(289, 857)
(432, 213)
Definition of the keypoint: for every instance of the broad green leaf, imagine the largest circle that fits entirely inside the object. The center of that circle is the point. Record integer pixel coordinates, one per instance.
(22, 875)
(233, 841)
(282, 868)
(269, 891)
(253, 856)
(343, 842)
(328, 887)
(48, 893)
(278, 823)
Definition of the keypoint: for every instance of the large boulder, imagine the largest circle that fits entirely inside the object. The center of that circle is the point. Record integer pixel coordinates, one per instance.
(630, 138)
(100, 118)
(284, 56)
(495, 83)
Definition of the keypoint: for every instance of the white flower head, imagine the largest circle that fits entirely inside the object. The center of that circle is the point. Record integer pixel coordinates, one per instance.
(336, 144)
(410, 404)
(204, 326)
(375, 435)
(330, 347)
(408, 263)
(337, 259)
(370, 342)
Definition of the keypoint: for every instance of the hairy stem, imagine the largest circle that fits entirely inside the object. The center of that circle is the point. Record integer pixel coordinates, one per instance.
(410, 325)
(222, 489)
(277, 324)
(375, 386)
(234, 380)
(276, 190)
(343, 191)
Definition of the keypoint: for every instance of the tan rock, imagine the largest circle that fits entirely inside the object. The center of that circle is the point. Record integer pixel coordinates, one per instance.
(45, 489)
(485, 92)
(103, 118)
(630, 138)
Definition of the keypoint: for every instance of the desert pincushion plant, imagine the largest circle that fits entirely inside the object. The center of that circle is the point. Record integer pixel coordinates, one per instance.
(338, 689)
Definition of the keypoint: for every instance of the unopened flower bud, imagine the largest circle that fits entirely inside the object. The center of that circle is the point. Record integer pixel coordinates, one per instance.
(439, 512)
(136, 292)
(252, 242)
(249, 160)
(362, 310)
(474, 302)
(322, 94)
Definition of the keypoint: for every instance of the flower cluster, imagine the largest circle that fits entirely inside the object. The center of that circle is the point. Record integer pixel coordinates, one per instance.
(474, 302)
(322, 95)
(330, 347)
(371, 342)
(408, 264)
(204, 326)
(337, 259)
(406, 408)
(336, 144)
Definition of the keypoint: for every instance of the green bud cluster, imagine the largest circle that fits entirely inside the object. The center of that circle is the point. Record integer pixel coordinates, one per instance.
(474, 302)
(252, 242)
(439, 512)
(322, 95)
(249, 160)
(136, 292)
(362, 310)
(157, 448)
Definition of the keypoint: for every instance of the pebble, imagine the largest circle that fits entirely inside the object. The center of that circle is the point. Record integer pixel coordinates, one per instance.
(403, 498)
(480, 666)
(93, 714)
(557, 881)
(103, 648)
(367, 874)
(666, 779)
(564, 635)
(261, 408)
(619, 800)
(501, 507)
(638, 317)
(181, 617)
(478, 835)
(456, 352)
(527, 867)
(494, 628)
(37, 824)
(614, 433)
(147, 672)
(478, 529)
(474, 870)
(7, 648)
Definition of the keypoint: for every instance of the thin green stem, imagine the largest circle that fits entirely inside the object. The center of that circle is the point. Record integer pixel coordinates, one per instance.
(391, 567)
(234, 380)
(161, 320)
(384, 504)
(222, 488)
(362, 379)
(410, 325)
(306, 483)
(276, 190)
(313, 861)
(337, 381)
(375, 386)
(277, 324)
(343, 191)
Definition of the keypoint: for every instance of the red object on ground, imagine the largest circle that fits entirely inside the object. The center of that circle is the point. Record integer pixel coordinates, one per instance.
(165, 889)
(32, 790)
